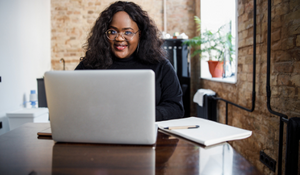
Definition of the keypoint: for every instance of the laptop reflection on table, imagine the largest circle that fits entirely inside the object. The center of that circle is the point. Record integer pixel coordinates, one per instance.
(102, 159)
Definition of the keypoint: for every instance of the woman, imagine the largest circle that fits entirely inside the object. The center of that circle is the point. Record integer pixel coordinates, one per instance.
(124, 37)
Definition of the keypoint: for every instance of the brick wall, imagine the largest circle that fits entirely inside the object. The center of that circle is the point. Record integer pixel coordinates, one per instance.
(71, 21)
(180, 17)
(285, 77)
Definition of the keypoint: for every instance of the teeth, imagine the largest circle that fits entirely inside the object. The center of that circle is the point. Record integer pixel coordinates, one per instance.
(120, 47)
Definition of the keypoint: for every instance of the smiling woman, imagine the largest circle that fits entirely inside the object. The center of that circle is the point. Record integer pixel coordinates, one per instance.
(124, 37)
(123, 44)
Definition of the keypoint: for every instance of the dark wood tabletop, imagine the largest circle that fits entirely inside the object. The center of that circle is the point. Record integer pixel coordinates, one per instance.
(22, 152)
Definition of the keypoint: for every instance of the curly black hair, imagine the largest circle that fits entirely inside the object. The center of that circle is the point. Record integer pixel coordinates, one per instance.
(98, 54)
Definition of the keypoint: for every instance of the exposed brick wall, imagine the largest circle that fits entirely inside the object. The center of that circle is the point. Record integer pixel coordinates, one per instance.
(71, 21)
(195, 64)
(285, 77)
(180, 17)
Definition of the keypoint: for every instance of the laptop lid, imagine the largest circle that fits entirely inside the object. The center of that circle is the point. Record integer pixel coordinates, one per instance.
(102, 106)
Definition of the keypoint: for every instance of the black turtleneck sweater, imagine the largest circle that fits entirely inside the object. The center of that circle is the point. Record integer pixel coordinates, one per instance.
(167, 88)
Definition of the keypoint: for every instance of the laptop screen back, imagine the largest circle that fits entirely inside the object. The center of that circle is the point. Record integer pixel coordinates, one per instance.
(102, 106)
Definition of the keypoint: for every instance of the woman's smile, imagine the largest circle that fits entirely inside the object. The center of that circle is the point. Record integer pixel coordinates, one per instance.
(120, 47)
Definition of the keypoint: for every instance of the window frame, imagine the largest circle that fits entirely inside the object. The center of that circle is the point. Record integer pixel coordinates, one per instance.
(233, 79)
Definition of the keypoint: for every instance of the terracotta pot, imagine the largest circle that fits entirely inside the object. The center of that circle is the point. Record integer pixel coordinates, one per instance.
(215, 68)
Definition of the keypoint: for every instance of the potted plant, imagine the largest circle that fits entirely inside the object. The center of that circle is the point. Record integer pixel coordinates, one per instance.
(214, 45)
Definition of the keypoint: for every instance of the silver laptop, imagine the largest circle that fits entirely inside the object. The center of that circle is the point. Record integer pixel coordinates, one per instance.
(102, 106)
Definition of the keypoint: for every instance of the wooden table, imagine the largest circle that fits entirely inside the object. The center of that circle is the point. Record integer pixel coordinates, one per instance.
(21, 152)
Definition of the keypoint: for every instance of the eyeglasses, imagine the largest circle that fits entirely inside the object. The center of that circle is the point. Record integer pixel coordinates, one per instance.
(127, 35)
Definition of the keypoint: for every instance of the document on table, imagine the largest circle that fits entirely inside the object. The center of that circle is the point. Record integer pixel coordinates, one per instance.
(208, 133)
(46, 133)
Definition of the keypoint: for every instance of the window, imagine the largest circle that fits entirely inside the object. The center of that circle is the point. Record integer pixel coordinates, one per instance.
(220, 15)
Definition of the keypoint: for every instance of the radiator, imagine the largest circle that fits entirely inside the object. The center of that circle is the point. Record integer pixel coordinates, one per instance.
(209, 108)
(292, 146)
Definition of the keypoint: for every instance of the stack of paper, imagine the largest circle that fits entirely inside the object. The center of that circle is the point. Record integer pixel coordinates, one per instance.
(208, 133)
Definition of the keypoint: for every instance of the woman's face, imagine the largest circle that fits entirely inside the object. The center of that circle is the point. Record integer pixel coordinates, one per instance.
(120, 46)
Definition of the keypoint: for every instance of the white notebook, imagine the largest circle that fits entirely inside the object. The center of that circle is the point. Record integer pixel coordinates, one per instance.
(208, 133)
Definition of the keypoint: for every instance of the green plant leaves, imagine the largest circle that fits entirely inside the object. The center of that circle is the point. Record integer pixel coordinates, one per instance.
(212, 43)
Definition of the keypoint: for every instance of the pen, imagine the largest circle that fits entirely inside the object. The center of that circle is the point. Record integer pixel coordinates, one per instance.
(182, 127)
